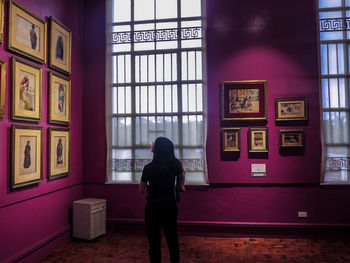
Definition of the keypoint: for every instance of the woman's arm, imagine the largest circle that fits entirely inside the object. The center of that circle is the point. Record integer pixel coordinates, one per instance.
(142, 187)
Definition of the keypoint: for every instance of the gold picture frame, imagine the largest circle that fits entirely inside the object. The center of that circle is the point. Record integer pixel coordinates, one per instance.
(258, 139)
(291, 109)
(59, 99)
(60, 47)
(291, 139)
(243, 100)
(27, 155)
(2, 88)
(26, 33)
(58, 153)
(231, 140)
(26, 90)
(2, 20)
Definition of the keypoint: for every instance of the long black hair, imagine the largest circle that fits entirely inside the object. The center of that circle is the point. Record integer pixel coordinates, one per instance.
(164, 153)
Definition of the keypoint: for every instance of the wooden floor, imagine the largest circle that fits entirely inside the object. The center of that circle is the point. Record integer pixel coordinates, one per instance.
(123, 248)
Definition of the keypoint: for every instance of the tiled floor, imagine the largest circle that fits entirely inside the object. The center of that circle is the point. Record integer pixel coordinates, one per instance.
(122, 248)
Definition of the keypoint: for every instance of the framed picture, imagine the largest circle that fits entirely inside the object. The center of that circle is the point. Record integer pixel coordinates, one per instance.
(60, 46)
(58, 153)
(27, 152)
(2, 11)
(243, 100)
(231, 140)
(26, 90)
(2, 87)
(291, 139)
(59, 99)
(26, 33)
(291, 109)
(258, 139)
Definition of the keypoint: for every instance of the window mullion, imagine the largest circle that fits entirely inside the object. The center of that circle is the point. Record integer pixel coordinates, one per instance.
(133, 90)
(179, 77)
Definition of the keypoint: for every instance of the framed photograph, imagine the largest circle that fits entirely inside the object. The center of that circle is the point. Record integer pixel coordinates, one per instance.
(60, 46)
(59, 99)
(231, 140)
(27, 153)
(2, 87)
(26, 33)
(58, 153)
(291, 139)
(258, 139)
(26, 90)
(2, 11)
(291, 109)
(243, 100)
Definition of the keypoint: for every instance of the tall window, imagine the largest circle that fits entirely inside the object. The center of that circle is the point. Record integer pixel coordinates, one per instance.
(334, 25)
(155, 85)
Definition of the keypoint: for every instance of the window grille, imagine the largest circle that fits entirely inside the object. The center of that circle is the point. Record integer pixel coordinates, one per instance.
(334, 35)
(156, 85)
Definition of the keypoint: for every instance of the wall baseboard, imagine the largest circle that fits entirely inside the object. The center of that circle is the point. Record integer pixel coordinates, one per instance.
(239, 229)
(26, 252)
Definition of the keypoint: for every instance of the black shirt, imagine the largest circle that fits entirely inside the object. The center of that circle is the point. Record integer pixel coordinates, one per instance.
(161, 179)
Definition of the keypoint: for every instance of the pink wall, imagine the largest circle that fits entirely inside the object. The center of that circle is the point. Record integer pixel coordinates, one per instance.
(246, 40)
(35, 219)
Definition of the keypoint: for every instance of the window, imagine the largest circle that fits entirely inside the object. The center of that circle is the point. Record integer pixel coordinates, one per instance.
(155, 85)
(334, 25)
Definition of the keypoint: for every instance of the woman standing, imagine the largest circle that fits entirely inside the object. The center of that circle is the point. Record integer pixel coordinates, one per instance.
(158, 180)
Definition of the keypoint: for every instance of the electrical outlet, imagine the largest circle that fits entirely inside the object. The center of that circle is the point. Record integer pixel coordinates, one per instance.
(302, 214)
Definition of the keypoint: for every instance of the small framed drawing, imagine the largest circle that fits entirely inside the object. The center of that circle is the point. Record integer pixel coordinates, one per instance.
(243, 100)
(26, 90)
(26, 33)
(291, 109)
(231, 140)
(2, 87)
(59, 99)
(58, 153)
(291, 139)
(60, 46)
(27, 152)
(2, 11)
(258, 139)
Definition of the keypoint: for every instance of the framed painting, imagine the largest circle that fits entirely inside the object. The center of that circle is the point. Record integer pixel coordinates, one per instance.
(58, 153)
(2, 87)
(27, 153)
(26, 33)
(59, 99)
(26, 90)
(243, 100)
(2, 20)
(291, 139)
(291, 109)
(258, 139)
(231, 140)
(60, 46)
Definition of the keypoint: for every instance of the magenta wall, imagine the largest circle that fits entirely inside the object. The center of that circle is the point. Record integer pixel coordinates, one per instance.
(36, 219)
(247, 40)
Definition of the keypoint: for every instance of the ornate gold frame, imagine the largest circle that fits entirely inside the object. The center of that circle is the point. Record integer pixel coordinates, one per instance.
(2, 22)
(295, 117)
(224, 144)
(284, 145)
(14, 45)
(17, 179)
(2, 88)
(251, 132)
(55, 63)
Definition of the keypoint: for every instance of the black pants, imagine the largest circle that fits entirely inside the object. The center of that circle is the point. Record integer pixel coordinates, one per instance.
(158, 215)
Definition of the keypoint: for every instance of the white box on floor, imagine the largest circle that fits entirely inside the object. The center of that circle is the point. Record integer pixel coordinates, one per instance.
(89, 218)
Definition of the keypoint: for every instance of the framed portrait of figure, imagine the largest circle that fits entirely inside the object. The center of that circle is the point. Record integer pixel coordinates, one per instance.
(2, 87)
(231, 140)
(60, 47)
(58, 153)
(26, 33)
(27, 153)
(59, 99)
(258, 139)
(26, 90)
(243, 100)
